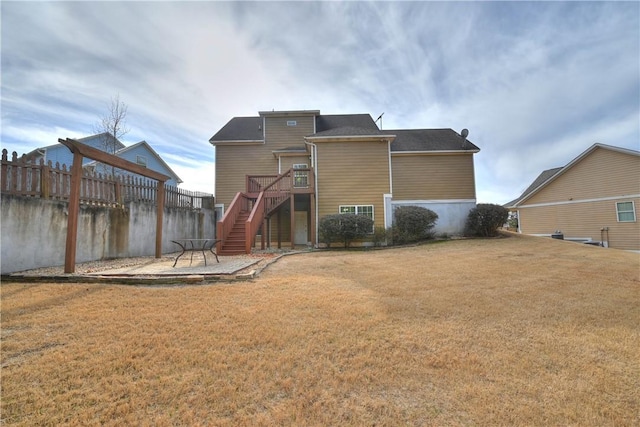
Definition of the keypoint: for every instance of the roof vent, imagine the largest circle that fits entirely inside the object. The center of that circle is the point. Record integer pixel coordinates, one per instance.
(464, 133)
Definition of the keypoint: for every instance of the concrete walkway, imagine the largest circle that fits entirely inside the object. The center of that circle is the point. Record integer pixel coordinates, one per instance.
(151, 271)
(227, 265)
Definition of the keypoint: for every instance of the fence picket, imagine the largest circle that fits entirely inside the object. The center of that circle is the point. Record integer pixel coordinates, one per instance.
(20, 177)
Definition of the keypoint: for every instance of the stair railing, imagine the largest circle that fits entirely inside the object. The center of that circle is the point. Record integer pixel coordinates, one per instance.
(253, 222)
(239, 203)
(271, 196)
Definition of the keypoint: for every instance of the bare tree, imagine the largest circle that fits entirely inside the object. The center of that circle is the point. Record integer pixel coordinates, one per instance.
(113, 126)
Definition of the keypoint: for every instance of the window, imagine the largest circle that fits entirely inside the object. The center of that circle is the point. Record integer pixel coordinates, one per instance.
(626, 212)
(301, 177)
(292, 123)
(142, 161)
(366, 210)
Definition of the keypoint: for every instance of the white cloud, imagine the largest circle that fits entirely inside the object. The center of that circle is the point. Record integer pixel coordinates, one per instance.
(535, 83)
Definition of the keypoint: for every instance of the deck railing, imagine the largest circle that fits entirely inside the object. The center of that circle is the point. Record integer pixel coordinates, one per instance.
(22, 178)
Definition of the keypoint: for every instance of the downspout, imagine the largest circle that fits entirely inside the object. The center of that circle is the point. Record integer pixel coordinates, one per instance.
(386, 214)
(314, 163)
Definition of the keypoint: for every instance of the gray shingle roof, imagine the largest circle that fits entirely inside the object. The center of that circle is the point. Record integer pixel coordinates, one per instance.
(335, 121)
(349, 131)
(428, 140)
(250, 129)
(240, 129)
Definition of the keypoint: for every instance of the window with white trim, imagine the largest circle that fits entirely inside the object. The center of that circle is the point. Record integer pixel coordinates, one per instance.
(141, 160)
(366, 210)
(300, 177)
(626, 212)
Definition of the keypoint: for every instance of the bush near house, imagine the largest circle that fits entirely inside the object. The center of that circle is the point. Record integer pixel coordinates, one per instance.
(413, 224)
(344, 228)
(485, 219)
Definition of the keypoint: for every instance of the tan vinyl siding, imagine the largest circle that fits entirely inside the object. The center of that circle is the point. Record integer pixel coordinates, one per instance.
(234, 162)
(433, 176)
(278, 135)
(583, 220)
(602, 173)
(352, 173)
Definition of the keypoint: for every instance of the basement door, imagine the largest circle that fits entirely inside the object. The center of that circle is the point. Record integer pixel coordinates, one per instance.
(301, 230)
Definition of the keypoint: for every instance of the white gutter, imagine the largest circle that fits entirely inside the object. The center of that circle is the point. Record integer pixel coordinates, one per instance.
(314, 163)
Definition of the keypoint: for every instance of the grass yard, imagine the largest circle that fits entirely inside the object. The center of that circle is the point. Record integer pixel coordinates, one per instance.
(511, 331)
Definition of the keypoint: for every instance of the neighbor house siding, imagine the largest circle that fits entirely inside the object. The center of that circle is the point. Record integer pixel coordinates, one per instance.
(433, 176)
(352, 173)
(602, 173)
(583, 220)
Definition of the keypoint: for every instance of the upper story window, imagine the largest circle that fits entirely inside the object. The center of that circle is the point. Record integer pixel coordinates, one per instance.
(301, 177)
(626, 211)
(292, 123)
(141, 160)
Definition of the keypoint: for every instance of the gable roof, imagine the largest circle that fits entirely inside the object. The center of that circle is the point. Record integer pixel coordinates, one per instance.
(550, 175)
(93, 141)
(151, 151)
(416, 140)
(541, 179)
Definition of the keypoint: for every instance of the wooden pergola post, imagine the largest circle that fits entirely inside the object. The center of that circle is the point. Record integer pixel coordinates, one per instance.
(80, 151)
(72, 214)
(159, 217)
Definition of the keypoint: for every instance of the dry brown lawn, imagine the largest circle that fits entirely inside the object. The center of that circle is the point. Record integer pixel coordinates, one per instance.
(510, 331)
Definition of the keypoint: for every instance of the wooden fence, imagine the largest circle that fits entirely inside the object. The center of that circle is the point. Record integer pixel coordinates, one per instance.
(19, 177)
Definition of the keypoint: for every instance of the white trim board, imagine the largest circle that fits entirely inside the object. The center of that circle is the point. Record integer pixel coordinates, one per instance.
(573, 202)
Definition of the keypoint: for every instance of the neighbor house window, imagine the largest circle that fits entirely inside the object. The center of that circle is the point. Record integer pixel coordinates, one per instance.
(142, 161)
(292, 123)
(366, 210)
(626, 212)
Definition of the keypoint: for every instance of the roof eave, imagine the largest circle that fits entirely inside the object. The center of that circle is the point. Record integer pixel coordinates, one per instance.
(434, 152)
(237, 142)
(338, 138)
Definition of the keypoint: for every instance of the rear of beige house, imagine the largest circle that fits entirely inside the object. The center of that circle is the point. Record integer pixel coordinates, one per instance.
(594, 198)
(339, 164)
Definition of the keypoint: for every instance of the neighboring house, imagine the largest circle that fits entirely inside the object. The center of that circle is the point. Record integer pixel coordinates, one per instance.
(140, 153)
(594, 198)
(283, 171)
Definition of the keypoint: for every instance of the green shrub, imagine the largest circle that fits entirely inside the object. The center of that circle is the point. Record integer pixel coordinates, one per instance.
(485, 219)
(413, 224)
(344, 228)
(329, 229)
(381, 236)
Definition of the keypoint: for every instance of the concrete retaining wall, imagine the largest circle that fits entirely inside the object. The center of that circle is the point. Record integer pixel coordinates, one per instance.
(33, 231)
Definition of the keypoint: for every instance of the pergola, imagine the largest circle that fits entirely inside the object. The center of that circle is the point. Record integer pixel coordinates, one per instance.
(80, 151)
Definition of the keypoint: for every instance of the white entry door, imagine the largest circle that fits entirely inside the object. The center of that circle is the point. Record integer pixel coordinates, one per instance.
(301, 229)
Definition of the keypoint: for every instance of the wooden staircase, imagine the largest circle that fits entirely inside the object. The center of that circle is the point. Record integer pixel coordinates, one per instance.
(237, 229)
(234, 244)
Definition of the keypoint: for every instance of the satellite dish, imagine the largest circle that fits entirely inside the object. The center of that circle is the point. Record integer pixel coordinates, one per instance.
(464, 133)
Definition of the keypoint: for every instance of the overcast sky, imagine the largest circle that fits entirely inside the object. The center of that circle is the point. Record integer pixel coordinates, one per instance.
(535, 83)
